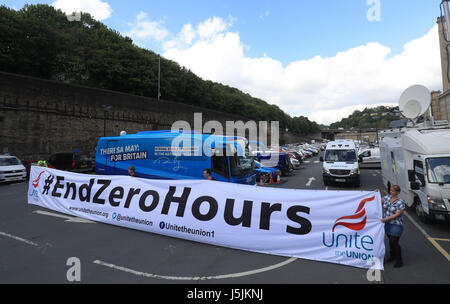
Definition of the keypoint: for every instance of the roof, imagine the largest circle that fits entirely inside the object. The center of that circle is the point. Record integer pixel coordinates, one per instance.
(7, 156)
(341, 144)
(427, 141)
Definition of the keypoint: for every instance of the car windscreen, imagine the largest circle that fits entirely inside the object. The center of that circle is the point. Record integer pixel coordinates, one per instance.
(438, 170)
(340, 156)
(9, 161)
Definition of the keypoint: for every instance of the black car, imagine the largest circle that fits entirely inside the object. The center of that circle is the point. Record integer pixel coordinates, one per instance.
(73, 162)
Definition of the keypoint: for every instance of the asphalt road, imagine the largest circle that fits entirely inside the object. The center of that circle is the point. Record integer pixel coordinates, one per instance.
(37, 247)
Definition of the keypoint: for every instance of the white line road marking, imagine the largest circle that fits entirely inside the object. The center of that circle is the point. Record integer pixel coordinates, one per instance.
(69, 219)
(373, 174)
(417, 225)
(311, 179)
(316, 161)
(175, 278)
(429, 238)
(307, 161)
(18, 239)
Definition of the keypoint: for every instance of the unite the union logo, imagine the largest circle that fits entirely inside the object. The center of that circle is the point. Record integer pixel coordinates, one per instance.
(352, 245)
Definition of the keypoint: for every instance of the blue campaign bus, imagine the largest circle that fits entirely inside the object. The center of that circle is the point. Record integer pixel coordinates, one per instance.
(175, 155)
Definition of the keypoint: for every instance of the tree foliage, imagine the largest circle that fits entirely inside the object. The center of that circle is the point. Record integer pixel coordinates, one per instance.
(40, 41)
(379, 117)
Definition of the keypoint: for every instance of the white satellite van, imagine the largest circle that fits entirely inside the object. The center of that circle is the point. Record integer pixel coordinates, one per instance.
(417, 158)
(340, 163)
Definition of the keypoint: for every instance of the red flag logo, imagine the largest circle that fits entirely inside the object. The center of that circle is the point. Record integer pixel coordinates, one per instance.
(359, 214)
(36, 181)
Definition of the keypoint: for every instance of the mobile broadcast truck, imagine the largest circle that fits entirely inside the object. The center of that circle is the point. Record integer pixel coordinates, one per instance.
(416, 156)
(340, 163)
(175, 155)
(418, 160)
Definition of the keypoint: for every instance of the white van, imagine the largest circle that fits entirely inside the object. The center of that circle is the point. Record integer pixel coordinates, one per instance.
(369, 158)
(418, 160)
(11, 169)
(340, 163)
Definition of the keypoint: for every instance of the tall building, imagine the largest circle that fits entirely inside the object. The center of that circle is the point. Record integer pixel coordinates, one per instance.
(440, 103)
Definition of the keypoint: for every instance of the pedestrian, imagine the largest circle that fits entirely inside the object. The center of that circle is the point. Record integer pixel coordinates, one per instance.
(42, 163)
(207, 174)
(393, 209)
(132, 171)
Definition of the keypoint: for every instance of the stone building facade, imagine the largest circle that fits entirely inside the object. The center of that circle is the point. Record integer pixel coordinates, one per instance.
(40, 117)
(441, 100)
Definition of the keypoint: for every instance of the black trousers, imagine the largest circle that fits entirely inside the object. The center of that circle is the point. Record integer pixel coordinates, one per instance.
(394, 248)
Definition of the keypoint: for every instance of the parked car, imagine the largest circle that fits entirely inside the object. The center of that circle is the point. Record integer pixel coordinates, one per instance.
(294, 162)
(73, 162)
(307, 153)
(11, 169)
(298, 156)
(264, 172)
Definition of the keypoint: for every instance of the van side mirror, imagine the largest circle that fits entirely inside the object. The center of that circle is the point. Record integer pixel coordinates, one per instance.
(412, 176)
(321, 159)
(415, 185)
(360, 159)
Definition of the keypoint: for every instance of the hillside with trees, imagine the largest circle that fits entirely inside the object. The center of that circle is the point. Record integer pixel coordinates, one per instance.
(40, 41)
(379, 117)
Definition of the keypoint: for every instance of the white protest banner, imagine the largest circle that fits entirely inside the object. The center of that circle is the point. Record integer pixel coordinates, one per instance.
(341, 227)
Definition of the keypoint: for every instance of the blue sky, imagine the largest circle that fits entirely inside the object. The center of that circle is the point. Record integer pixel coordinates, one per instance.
(287, 30)
(277, 35)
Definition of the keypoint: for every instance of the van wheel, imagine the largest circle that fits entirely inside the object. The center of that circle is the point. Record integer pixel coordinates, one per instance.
(424, 218)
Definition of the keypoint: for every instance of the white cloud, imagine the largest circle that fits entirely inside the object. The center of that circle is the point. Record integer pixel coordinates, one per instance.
(145, 29)
(98, 9)
(323, 89)
(212, 26)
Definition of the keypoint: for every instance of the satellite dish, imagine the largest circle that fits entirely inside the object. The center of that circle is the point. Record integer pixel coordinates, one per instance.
(414, 101)
(122, 133)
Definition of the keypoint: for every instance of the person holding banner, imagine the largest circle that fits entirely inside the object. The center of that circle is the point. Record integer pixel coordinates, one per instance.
(393, 209)
(42, 163)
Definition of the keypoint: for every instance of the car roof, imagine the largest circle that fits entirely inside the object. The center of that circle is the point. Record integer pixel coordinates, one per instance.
(7, 156)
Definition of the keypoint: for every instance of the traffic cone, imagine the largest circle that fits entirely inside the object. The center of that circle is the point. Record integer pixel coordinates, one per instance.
(278, 178)
(271, 179)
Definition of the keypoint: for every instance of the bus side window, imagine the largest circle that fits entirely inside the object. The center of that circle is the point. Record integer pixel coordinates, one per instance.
(219, 163)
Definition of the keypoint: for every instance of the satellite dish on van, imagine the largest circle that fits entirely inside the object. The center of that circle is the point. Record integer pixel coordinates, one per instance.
(414, 101)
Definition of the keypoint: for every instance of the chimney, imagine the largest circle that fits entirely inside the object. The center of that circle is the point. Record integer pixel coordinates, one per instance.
(444, 55)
